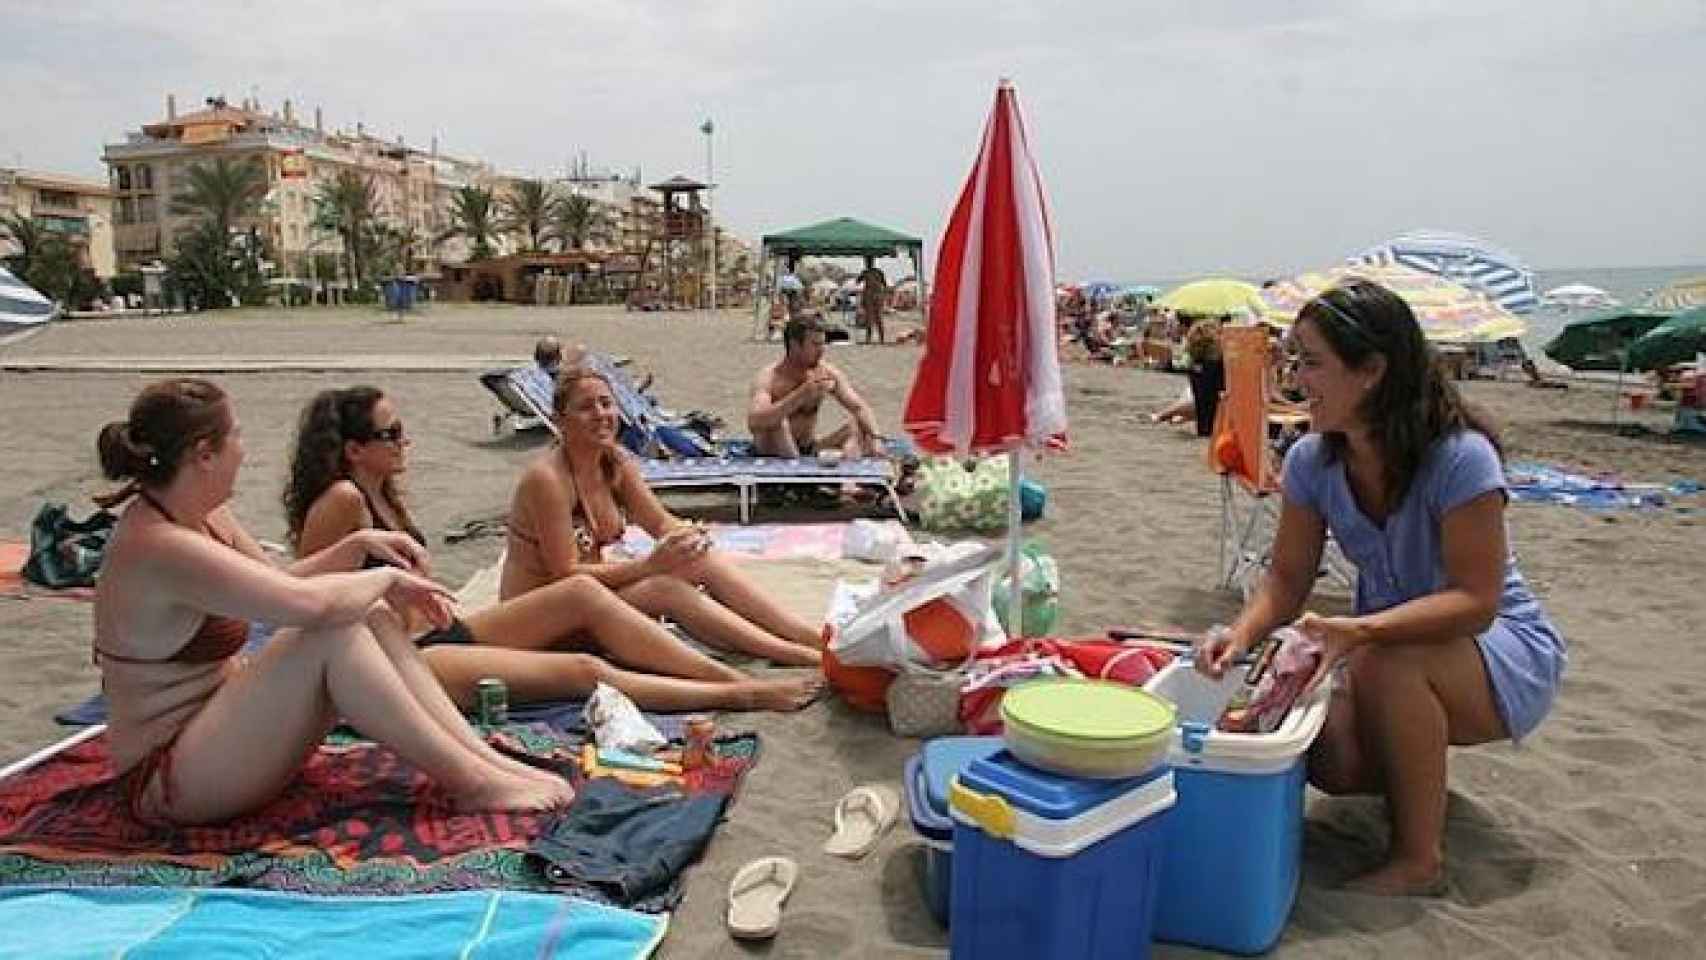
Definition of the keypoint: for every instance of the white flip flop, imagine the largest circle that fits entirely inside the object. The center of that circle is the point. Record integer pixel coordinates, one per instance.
(861, 819)
(756, 895)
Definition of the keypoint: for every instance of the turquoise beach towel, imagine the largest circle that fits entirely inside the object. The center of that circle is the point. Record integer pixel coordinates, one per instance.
(154, 923)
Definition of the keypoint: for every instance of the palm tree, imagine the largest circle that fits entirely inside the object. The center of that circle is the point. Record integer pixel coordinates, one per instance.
(345, 206)
(575, 219)
(29, 239)
(223, 191)
(527, 209)
(473, 213)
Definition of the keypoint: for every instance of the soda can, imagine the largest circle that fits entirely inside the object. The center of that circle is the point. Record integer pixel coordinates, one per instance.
(492, 700)
(697, 736)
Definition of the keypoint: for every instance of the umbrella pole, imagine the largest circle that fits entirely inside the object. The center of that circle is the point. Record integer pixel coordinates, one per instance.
(1015, 598)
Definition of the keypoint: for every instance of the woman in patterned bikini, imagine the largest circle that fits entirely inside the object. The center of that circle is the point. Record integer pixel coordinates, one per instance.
(576, 498)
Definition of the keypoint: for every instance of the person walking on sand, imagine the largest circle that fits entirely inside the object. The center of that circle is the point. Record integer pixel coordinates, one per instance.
(1447, 645)
(201, 732)
(787, 395)
(873, 296)
(556, 641)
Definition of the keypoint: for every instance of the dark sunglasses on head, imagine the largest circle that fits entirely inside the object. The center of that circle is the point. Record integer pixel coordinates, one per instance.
(392, 434)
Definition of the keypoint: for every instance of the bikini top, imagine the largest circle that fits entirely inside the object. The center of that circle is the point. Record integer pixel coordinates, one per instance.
(589, 540)
(218, 638)
(379, 523)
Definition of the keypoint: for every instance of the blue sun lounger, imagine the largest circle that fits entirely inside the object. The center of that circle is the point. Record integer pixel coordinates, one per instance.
(646, 430)
(747, 474)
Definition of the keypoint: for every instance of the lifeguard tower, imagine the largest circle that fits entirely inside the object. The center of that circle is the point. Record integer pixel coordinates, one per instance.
(681, 241)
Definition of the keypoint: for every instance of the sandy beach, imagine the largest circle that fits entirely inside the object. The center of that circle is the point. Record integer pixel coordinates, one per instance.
(1587, 840)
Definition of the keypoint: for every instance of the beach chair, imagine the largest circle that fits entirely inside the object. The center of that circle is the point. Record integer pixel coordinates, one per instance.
(526, 392)
(644, 427)
(1249, 471)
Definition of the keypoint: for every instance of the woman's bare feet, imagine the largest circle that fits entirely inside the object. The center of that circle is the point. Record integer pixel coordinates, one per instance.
(1401, 878)
(783, 694)
(516, 793)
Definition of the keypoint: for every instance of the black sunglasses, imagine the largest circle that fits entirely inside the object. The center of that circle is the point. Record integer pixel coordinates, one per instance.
(392, 434)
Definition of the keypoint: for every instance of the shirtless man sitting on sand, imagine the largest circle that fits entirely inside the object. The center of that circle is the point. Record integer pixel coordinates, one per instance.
(786, 395)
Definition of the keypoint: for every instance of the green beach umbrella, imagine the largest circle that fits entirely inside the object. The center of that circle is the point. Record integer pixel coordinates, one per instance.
(1597, 341)
(1676, 340)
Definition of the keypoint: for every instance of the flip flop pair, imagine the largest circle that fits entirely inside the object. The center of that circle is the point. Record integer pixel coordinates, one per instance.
(759, 889)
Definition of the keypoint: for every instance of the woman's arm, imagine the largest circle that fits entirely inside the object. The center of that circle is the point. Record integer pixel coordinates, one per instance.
(211, 577)
(1286, 585)
(333, 516)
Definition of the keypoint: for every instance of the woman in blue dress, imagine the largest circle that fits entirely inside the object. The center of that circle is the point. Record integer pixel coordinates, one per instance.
(1447, 645)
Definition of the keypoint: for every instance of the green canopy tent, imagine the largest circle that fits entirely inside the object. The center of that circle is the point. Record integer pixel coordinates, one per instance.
(841, 237)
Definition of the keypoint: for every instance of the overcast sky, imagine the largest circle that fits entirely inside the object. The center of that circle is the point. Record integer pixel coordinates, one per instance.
(1175, 138)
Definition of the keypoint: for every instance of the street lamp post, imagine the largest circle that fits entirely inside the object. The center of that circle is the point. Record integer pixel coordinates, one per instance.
(708, 128)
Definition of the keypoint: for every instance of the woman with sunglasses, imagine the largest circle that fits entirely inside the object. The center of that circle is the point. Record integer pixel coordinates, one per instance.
(350, 453)
(1447, 645)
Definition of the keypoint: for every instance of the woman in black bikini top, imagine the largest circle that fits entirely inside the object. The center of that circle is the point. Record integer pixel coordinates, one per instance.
(349, 454)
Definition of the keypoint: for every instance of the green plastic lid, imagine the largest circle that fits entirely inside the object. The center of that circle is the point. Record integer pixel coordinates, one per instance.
(1088, 710)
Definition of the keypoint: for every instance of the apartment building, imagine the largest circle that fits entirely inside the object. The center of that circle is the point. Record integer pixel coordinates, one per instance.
(79, 210)
(412, 186)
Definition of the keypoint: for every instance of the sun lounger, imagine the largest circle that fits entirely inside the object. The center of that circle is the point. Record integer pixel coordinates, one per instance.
(645, 427)
(526, 392)
(747, 474)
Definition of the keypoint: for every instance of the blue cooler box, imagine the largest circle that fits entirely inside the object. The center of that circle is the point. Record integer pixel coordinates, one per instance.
(928, 775)
(1236, 837)
(1047, 866)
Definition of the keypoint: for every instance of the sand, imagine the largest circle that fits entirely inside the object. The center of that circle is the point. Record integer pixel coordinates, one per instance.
(1588, 840)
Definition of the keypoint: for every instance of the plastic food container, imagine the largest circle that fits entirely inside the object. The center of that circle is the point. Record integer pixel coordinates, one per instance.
(1087, 728)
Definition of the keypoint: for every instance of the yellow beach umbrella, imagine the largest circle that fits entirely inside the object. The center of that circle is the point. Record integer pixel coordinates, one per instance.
(1448, 312)
(1215, 297)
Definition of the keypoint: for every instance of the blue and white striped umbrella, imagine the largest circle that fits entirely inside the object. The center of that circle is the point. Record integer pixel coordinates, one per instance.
(21, 306)
(1463, 260)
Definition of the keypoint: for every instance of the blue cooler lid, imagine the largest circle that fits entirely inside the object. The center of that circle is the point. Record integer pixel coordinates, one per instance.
(929, 774)
(945, 757)
(1051, 796)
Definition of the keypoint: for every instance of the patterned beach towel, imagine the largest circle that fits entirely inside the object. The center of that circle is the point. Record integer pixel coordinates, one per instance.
(356, 820)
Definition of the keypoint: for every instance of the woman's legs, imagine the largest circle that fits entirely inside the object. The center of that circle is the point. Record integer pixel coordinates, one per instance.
(393, 638)
(733, 588)
(1409, 703)
(548, 616)
(710, 621)
(550, 675)
(250, 738)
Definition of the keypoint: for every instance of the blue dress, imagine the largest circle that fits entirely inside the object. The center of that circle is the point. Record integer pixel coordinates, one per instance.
(1401, 560)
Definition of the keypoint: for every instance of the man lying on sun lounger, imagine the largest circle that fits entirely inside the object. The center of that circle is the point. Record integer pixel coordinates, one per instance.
(787, 394)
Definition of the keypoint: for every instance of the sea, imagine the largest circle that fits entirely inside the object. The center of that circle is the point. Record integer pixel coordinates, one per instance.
(1631, 285)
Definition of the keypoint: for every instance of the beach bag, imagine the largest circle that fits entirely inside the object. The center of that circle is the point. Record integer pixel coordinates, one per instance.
(952, 497)
(941, 615)
(925, 702)
(1039, 589)
(65, 552)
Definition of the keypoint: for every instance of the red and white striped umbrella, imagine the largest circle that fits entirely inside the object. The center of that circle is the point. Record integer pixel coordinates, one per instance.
(989, 380)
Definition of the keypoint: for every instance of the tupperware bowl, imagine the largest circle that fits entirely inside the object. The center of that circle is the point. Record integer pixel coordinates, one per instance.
(1087, 728)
